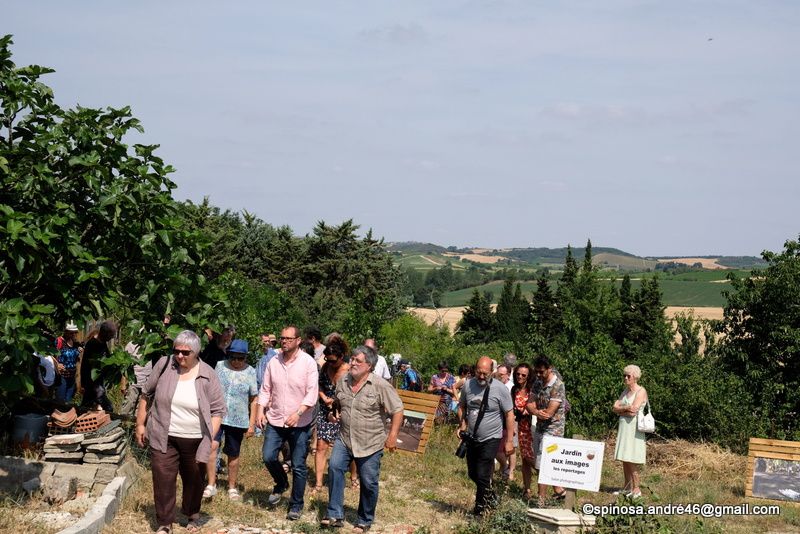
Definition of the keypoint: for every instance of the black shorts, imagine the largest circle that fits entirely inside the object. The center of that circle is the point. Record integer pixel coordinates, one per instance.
(233, 439)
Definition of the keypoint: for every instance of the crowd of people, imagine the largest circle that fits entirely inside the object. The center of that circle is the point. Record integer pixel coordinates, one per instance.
(194, 406)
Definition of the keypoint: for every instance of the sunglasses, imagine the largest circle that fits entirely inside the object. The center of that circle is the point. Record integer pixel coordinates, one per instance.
(626, 376)
(181, 352)
(520, 375)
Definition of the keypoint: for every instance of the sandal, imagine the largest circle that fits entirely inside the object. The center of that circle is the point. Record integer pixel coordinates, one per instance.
(560, 496)
(209, 492)
(329, 522)
(194, 524)
(355, 483)
(361, 529)
(164, 529)
(233, 494)
(314, 491)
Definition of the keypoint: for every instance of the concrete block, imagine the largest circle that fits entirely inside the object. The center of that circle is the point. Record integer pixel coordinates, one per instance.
(59, 489)
(105, 473)
(84, 473)
(115, 488)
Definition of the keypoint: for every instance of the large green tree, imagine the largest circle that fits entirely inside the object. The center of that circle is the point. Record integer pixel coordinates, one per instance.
(761, 342)
(88, 225)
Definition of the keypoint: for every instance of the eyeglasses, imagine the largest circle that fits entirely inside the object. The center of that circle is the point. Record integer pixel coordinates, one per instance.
(287, 338)
(354, 360)
(181, 352)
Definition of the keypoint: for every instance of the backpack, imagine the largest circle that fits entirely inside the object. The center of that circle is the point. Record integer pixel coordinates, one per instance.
(416, 386)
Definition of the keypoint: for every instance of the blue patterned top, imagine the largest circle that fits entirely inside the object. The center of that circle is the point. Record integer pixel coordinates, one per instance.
(237, 387)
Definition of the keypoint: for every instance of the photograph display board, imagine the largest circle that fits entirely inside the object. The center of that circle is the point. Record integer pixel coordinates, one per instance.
(419, 409)
(571, 463)
(773, 469)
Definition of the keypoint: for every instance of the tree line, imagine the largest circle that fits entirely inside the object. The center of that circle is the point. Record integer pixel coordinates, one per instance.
(722, 381)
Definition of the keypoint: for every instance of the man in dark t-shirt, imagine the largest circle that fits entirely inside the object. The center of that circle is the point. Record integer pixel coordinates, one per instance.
(94, 390)
(216, 350)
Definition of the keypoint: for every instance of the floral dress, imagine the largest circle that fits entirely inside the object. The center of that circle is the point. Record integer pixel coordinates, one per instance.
(524, 433)
(326, 430)
(446, 399)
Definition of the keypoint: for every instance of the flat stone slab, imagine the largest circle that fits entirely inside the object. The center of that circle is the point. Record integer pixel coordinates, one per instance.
(114, 435)
(64, 439)
(113, 447)
(62, 448)
(105, 429)
(58, 456)
(93, 458)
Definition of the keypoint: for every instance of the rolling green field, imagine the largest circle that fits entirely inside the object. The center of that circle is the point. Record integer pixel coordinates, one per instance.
(426, 262)
(688, 289)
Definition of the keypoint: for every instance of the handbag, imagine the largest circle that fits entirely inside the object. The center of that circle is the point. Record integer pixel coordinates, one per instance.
(645, 421)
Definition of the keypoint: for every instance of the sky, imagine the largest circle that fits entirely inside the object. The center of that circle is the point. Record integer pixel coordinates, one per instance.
(660, 128)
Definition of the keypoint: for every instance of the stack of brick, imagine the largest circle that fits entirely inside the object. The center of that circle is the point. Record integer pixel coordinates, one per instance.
(64, 448)
(107, 445)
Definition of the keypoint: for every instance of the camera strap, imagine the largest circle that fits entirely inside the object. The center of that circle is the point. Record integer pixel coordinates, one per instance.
(482, 408)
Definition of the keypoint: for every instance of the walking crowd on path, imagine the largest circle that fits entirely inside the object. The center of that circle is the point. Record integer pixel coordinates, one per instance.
(194, 406)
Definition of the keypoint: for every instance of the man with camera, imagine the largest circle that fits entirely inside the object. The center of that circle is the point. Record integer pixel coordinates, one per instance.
(484, 408)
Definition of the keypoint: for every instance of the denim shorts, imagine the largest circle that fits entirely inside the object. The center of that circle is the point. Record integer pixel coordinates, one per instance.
(233, 439)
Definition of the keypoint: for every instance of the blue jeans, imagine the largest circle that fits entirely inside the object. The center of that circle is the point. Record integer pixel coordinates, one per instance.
(369, 469)
(65, 389)
(298, 445)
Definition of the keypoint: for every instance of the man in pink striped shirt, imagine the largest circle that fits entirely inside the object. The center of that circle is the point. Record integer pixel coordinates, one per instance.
(289, 392)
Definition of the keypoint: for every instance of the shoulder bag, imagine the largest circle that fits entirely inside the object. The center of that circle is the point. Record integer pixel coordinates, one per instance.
(645, 421)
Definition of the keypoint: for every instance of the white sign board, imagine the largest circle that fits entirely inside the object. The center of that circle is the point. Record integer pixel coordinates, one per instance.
(571, 463)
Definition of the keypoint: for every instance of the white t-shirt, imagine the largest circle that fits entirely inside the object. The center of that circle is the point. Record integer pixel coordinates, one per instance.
(510, 384)
(382, 368)
(184, 421)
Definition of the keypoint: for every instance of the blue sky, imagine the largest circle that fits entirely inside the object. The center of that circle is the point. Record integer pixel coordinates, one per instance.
(661, 128)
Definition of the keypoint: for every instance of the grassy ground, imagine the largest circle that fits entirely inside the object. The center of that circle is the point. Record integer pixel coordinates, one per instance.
(434, 493)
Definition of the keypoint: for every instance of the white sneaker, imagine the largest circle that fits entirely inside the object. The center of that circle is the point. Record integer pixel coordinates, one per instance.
(209, 492)
(621, 492)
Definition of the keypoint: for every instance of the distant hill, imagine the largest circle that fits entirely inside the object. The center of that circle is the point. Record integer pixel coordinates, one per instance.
(609, 257)
(414, 247)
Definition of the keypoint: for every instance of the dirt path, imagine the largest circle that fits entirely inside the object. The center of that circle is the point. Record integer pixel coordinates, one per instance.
(707, 263)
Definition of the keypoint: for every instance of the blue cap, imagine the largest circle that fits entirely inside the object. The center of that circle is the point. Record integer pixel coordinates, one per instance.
(238, 346)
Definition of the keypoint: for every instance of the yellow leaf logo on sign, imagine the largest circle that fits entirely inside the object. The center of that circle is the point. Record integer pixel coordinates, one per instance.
(552, 448)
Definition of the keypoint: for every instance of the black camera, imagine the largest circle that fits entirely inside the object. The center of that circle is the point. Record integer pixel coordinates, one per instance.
(466, 439)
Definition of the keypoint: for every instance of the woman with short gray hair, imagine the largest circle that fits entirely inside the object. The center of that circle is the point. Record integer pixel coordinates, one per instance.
(630, 447)
(187, 410)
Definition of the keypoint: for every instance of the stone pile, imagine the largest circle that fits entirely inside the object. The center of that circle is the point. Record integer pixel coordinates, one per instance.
(64, 448)
(107, 445)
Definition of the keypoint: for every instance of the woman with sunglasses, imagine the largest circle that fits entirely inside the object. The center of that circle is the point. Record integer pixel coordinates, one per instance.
(186, 413)
(520, 394)
(630, 447)
(332, 370)
(238, 380)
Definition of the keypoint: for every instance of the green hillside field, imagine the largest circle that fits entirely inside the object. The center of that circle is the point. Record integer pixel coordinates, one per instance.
(701, 288)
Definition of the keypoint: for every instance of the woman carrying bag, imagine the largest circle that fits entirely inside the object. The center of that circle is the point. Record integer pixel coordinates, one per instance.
(630, 448)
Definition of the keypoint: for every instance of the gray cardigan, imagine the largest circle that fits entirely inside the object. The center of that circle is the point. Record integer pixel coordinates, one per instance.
(161, 388)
